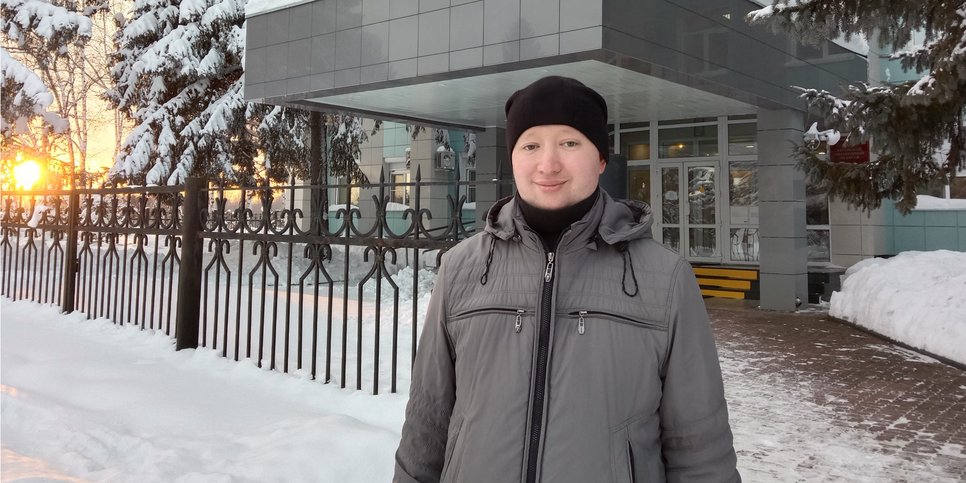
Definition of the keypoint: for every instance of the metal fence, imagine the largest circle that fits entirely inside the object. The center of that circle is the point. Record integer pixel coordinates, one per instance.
(275, 274)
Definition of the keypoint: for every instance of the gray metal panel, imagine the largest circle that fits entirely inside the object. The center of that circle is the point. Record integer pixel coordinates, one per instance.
(375, 43)
(275, 62)
(374, 73)
(501, 21)
(432, 64)
(300, 22)
(402, 69)
(347, 77)
(275, 88)
(403, 35)
(466, 59)
(255, 66)
(254, 91)
(323, 17)
(325, 80)
(580, 14)
(539, 17)
(434, 32)
(298, 60)
(256, 32)
(501, 53)
(349, 14)
(348, 48)
(403, 8)
(276, 27)
(323, 53)
(779, 183)
(430, 5)
(465, 28)
(581, 40)
(298, 84)
(546, 46)
(375, 11)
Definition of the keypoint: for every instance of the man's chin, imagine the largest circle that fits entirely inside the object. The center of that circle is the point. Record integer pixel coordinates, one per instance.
(548, 203)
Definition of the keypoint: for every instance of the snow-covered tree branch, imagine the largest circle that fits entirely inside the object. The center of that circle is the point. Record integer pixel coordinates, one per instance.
(917, 127)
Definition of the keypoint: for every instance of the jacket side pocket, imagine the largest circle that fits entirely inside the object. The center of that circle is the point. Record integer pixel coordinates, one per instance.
(620, 454)
(451, 441)
(636, 451)
(630, 462)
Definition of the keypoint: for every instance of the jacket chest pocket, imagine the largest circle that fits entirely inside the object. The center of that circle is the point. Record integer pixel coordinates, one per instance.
(587, 319)
(511, 316)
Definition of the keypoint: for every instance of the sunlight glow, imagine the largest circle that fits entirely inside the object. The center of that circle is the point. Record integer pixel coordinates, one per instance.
(27, 174)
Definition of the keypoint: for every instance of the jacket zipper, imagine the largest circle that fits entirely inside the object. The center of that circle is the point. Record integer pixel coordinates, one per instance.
(540, 379)
(517, 324)
(580, 314)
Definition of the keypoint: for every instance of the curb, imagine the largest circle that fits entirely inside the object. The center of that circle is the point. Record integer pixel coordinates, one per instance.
(944, 360)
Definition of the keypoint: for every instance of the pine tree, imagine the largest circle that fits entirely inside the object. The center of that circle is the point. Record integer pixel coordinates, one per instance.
(178, 74)
(916, 128)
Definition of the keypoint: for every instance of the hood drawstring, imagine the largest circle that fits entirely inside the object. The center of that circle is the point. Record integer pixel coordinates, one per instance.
(626, 255)
(489, 260)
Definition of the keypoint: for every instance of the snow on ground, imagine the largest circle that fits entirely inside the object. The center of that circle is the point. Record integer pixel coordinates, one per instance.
(91, 400)
(102, 402)
(918, 298)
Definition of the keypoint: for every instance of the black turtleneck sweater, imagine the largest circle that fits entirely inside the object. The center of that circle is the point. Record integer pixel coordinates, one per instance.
(549, 224)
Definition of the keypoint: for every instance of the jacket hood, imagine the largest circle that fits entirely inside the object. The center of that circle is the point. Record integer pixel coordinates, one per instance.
(616, 220)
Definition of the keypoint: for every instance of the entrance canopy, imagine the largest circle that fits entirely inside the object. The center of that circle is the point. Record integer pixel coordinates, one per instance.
(478, 101)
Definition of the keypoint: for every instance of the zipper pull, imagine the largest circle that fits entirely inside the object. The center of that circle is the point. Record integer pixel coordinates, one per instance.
(549, 272)
(519, 323)
(580, 322)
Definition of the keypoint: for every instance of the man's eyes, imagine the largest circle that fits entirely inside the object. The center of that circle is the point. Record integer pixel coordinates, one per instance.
(533, 146)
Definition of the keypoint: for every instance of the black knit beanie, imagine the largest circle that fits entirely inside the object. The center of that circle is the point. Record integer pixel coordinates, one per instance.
(557, 100)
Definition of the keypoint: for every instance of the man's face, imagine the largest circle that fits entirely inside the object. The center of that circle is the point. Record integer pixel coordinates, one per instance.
(555, 166)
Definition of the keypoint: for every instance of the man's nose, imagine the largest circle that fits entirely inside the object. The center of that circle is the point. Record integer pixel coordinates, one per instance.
(549, 160)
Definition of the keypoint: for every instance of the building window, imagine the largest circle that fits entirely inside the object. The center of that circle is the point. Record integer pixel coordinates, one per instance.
(471, 188)
(743, 139)
(688, 142)
(636, 145)
(399, 191)
(817, 224)
(345, 194)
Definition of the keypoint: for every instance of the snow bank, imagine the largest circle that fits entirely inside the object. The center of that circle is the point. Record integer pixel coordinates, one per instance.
(931, 203)
(918, 298)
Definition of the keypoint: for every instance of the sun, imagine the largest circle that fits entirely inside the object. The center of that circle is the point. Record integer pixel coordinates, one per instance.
(26, 174)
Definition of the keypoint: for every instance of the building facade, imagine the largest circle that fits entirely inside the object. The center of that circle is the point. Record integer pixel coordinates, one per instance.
(702, 106)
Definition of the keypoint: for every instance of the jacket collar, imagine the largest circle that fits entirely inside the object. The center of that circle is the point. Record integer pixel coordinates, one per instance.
(609, 220)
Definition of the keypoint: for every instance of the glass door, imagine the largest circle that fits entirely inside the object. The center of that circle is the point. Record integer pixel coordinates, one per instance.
(639, 182)
(701, 210)
(689, 210)
(671, 206)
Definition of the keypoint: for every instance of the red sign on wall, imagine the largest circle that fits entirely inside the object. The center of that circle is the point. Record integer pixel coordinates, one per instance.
(840, 153)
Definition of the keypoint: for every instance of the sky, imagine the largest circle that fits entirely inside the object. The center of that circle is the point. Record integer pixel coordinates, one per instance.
(87, 400)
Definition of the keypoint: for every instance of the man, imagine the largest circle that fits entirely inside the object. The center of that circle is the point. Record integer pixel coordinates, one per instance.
(562, 343)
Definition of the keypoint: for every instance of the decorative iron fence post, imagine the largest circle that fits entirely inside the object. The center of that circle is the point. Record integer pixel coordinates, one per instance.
(70, 261)
(189, 280)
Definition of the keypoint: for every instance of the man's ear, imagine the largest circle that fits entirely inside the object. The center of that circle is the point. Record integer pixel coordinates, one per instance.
(603, 166)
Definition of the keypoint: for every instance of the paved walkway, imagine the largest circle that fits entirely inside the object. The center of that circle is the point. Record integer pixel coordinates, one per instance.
(910, 406)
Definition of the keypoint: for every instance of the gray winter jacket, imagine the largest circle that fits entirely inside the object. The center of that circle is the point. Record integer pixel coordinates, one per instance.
(596, 366)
